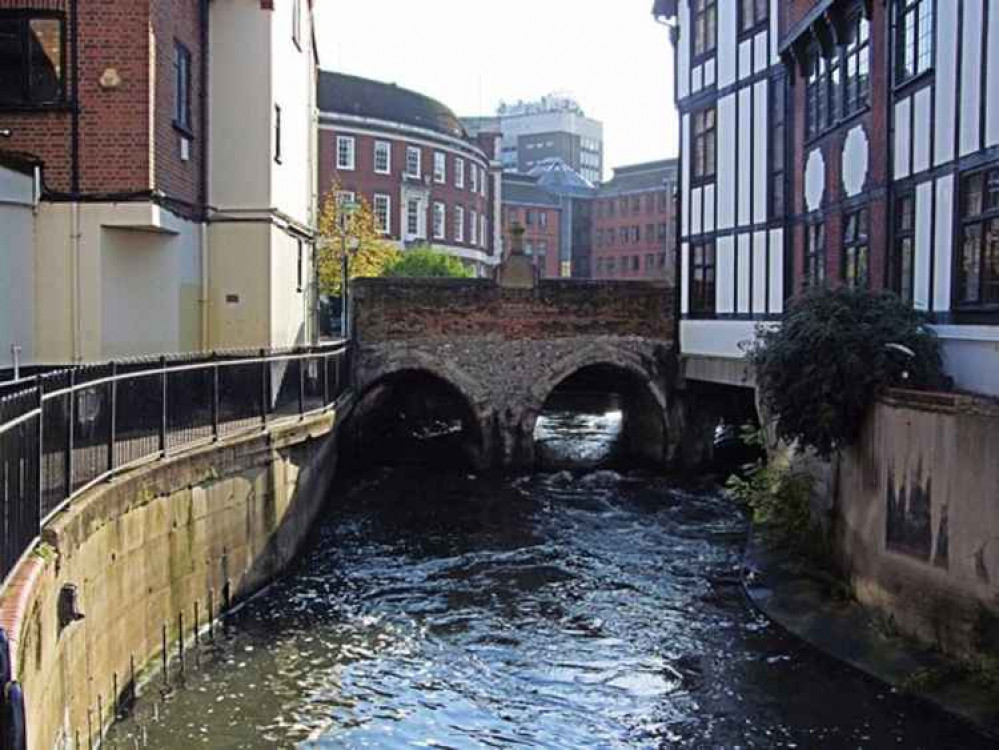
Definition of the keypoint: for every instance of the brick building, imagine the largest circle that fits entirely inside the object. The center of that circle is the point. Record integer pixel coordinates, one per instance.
(176, 205)
(410, 158)
(828, 142)
(634, 233)
(539, 214)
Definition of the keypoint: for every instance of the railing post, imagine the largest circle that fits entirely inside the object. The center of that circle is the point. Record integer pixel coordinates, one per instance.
(215, 397)
(326, 380)
(70, 422)
(265, 368)
(40, 387)
(163, 406)
(112, 427)
(301, 386)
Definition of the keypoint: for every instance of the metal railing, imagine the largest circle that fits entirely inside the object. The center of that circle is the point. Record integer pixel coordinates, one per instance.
(71, 429)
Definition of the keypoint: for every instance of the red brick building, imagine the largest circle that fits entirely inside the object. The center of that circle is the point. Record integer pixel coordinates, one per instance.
(411, 159)
(539, 214)
(634, 230)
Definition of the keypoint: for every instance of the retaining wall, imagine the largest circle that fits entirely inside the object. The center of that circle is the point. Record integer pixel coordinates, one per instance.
(152, 556)
(916, 519)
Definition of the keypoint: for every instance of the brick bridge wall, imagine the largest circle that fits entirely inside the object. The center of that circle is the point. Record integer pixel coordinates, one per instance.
(506, 349)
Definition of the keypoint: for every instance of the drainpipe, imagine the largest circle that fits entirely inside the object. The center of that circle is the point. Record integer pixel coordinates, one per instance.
(75, 248)
(203, 187)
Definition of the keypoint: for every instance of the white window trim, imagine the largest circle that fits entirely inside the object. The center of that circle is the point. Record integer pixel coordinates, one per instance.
(482, 182)
(387, 228)
(388, 160)
(483, 230)
(419, 161)
(418, 234)
(473, 226)
(440, 160)
(341, 139)
(475, 179)
(459, 223)
(440, 213)
(459, 172)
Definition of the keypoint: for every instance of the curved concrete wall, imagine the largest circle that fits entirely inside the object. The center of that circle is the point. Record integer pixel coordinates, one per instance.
(151, 557)
(917, 518)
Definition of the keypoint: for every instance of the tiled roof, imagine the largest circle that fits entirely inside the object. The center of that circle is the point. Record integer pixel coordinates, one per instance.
(362, 97)
(523, 189)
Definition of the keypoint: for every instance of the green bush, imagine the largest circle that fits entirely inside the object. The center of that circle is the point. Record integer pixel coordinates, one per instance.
(835, 351)
(425, 262)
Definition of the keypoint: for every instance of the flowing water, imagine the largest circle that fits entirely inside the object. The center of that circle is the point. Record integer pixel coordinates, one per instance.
(585, 609)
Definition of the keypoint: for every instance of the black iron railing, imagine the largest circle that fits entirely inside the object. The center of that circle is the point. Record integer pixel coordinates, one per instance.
(67, 430)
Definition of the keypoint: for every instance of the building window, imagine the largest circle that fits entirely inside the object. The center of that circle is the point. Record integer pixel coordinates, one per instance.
(663, 202)
(823, 75)
(439, 213)
(611, 208)
(484, 183)
(483, 231)
(858, 65)
(704, 145)
(543, 218)
(32, 59)
(815, 255)
(663, 232)
(752, 13)
(473, 228)
(413, 161)
(413, 217)
(856, 260)
(530, 218)
(277, 133)
(903, 260)
(345, 146)
(650, 232)
(440, 167)
(624, 234)
(611, 267)
(383, 213)
(459, 223)
(636, 263)
(650, 262)
(636, 204)
(182, 87)
(705, 26)
(978, 271)
(475, 179)
(914, 26)
(778, 143)
(702, 278)
(383, 157)
(459, 172)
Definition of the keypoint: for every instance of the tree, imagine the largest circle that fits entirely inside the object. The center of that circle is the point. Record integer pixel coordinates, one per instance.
(836, 350)
(425, 262)
(369, 252)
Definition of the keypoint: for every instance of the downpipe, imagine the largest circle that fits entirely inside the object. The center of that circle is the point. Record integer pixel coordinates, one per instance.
(75, 248)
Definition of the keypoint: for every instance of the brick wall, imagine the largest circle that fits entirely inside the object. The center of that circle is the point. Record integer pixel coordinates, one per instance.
(538, 232)
(614, 251)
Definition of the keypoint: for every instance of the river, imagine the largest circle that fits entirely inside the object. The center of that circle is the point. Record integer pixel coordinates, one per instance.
(565, 609)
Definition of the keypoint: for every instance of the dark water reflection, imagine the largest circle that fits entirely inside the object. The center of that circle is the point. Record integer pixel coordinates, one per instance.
(563, 610)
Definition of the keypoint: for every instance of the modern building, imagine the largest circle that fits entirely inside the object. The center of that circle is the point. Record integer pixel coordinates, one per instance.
(539, 214)
(171, 165)
(553, 127)
(411, 159)
(634, 229)
(839, 142)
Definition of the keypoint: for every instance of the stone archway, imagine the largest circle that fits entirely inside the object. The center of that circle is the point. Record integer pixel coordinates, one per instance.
(413, 371)
(638, 380)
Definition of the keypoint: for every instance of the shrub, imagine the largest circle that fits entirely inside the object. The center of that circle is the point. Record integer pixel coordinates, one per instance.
(425, 262)
(836, 350)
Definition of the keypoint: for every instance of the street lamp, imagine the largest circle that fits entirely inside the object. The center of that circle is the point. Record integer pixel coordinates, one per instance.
(347, 244)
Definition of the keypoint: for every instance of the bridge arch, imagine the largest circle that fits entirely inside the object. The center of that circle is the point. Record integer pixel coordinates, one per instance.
(636, 379)
(429, 394)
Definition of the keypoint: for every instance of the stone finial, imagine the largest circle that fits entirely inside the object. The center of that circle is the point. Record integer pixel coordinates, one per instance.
(517, 271)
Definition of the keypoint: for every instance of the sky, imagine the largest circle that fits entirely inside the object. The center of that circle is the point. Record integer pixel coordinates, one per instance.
(610, 55)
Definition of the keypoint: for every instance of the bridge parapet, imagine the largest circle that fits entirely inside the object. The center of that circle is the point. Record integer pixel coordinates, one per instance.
(506, 349)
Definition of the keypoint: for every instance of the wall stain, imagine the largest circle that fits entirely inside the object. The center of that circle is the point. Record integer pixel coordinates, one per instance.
(909, 508)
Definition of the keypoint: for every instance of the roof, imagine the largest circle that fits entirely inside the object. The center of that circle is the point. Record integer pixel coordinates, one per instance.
(557, 177)
(524, 189)
(362, 97)
(641, 177)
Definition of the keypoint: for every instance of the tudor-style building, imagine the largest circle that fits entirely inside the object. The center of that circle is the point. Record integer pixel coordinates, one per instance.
(866, 133)
(426, 180)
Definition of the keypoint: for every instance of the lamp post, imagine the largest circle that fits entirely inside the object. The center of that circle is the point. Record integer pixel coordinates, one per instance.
(347, 209)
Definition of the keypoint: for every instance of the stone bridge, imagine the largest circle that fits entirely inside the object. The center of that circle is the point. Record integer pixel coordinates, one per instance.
(505, 348)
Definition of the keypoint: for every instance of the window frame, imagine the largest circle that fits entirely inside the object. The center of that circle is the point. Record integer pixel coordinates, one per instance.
(183, 62)
(352, 141)
(410, 151)
(923, 43)
(856, 248)
(473, 228)
(439, 221)
(986, 221)
(414, 216)
(904, 284)
(857, 47)
(814, 273)
(703, 279)
(386, 148)
(386, 227)
(706, 12)
(777, 151)
(760, 16)
(440, 167)
(703, 136)
(459, 172)
(24, 17)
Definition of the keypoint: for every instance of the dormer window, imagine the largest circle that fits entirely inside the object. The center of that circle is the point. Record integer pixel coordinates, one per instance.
(32, 60)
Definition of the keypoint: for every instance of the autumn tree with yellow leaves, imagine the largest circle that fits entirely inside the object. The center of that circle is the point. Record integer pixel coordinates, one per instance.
(355, 228)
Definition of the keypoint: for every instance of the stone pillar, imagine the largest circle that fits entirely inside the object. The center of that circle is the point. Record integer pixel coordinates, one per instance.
(517, 271)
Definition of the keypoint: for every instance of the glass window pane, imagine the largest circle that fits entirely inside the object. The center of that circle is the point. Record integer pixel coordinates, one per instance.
(11, 62)
(45, 50)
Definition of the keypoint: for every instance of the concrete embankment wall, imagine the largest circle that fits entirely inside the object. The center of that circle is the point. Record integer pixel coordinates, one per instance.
(151, 557)
(916, 519)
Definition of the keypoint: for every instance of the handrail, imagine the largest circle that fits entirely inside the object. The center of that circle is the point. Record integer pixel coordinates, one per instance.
(72, 428)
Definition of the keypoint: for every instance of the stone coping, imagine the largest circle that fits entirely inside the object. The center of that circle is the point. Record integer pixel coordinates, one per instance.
(953, 402)
(803, 606)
